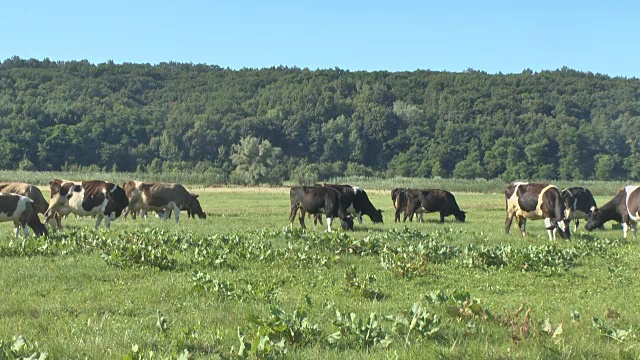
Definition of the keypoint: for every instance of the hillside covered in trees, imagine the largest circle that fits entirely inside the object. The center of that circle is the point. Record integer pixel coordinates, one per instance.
(266, 125)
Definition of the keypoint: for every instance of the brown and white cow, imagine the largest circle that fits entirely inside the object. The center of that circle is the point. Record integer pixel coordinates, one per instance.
(432, 200)
(33, 193)
(22, 211)
(536, 201)
(623, 208)
(318, 199)
(88, 198)
(162, 198)
(578, 204)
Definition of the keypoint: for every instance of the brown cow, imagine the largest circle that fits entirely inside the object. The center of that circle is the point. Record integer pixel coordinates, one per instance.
(22, 211)
(432, 200)
(33, 193)
(161, 197)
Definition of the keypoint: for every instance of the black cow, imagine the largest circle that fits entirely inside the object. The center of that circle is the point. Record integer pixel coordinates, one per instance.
(318, 199)
(357, 202)
(88, 198)
(578, 203)
(623, 208)
(432, 200)
(535, 201)
(399, 198)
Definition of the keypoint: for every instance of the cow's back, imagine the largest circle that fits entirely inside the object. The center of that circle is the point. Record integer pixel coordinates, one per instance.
(160, 194)
(28, 190)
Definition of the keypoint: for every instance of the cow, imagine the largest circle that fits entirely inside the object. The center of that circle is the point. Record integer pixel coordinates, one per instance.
(161, 198)
(623, 208)
(104, 200)
(399, 198)
(535, 201)
(357, 202)
(432, 200)
(22, 211)
(578, 203)
(33, 193)
(318, 199)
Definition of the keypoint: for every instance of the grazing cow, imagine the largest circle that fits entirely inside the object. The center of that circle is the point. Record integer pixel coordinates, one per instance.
(33, 193)
(623, 208)
(318, 199)
(161, 198)
(432, 200)
(578, 203)
(357, 202)
(101, 199)
(22, 211)
(535, 201)
(399, 198)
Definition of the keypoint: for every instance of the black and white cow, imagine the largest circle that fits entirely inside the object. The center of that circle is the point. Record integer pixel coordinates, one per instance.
(432, 200)
(23, 212)
(536, 201)
(318, 199)
(357, 202)
(578, 203)
(88, 198)
(623, 208)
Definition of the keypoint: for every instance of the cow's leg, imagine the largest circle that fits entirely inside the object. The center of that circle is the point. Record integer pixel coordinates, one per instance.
(292, 215)
(441, 217)
(359, 217)
(522, 224)
(397, 218)
(176, 212)
(329, 220)
(99, 219)
(16, 229)
(551, 229)
(625, 229)
(634, 225)
(508, 221)
(107, 222)
(577, 222)
(301, 217)
(25, 229)
(143, 213)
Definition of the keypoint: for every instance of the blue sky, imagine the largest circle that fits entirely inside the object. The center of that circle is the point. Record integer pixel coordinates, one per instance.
(493, 36)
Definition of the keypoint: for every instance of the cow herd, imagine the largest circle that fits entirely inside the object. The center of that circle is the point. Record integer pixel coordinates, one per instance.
(106, 201)
(523, 201)
(103, 200)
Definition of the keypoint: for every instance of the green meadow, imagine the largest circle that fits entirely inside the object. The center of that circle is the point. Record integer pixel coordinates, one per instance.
(241, 284)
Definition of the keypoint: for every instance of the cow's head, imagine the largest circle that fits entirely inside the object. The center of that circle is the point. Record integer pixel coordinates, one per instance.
(596, 219)
(61, 192)
(38, 227)
(129, 188)
(376, 216)
(461, 216)
(569, 202)
(118, 200)
(193, 205)
(347, 222)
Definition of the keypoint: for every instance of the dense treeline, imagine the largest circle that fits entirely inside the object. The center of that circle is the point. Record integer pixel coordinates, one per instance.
(265, 125)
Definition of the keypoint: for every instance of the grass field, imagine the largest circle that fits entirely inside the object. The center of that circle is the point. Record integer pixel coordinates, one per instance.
(415, 290)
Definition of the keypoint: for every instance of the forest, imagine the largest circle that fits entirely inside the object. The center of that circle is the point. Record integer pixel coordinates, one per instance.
(275, 124)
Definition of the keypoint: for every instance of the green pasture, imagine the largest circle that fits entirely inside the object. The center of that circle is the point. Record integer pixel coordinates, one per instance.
(156, 289)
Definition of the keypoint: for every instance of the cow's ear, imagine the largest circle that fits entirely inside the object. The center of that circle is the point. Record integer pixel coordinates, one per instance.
(195, 196)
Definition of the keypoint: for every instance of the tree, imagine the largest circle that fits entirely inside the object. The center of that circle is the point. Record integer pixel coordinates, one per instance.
(256, 161)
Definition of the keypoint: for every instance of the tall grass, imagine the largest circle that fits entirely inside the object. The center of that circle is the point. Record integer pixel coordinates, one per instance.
(207, 179)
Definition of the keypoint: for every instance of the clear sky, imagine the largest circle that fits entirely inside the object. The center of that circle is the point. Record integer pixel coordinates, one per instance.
(492, 36)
